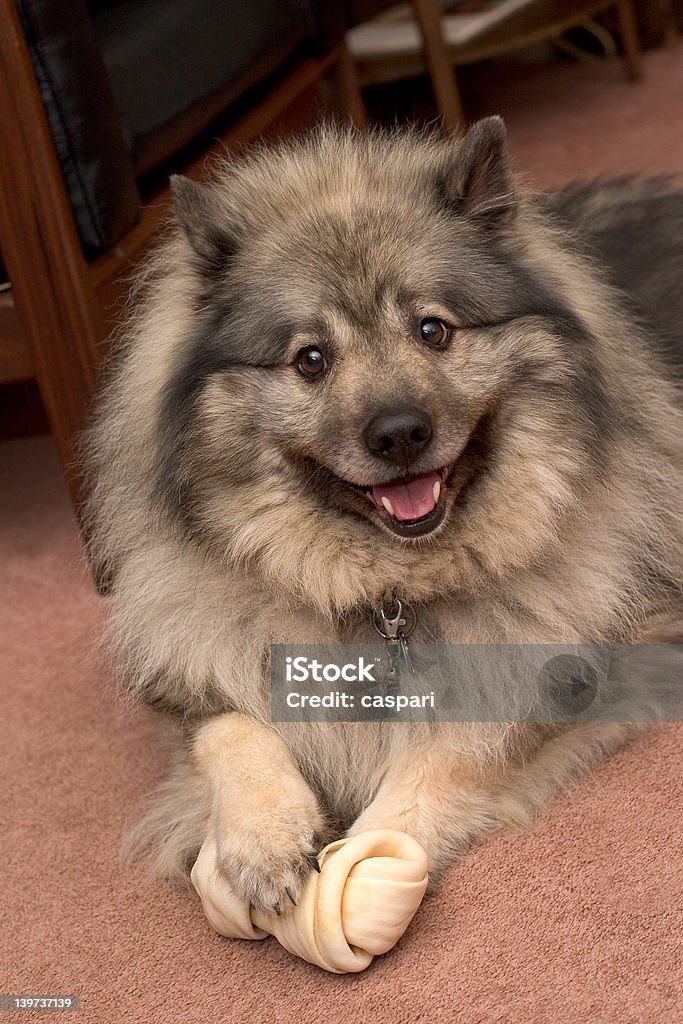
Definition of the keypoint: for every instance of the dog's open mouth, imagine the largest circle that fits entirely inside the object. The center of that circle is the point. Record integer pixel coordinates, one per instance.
(410, 506)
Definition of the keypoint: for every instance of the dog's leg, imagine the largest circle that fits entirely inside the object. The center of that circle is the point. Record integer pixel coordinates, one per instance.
(447, 801)
(265, 819)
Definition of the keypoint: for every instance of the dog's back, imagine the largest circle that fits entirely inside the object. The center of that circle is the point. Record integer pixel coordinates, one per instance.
(635, 230)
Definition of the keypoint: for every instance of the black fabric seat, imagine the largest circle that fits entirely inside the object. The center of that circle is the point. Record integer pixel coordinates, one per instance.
(127, 83)
(84, 123)
(173, 65)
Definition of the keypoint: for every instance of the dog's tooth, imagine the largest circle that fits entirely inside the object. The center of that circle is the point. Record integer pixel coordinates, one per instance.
(388, 506)
(436, 490)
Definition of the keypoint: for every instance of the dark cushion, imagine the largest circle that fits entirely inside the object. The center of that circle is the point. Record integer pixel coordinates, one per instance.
(83, 120)
(125, 83)
(175, 64)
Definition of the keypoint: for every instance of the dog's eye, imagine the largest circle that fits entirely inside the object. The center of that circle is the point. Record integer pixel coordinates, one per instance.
(435, 333)
(311, 362)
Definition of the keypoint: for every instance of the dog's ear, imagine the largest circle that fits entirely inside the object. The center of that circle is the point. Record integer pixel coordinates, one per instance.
(477, 180)
(198, 211)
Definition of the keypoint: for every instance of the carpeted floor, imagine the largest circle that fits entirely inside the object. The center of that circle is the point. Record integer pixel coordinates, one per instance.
(580, 920)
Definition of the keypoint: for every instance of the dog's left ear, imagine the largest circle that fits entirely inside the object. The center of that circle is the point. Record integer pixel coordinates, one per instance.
(198, 211)
(477, 181)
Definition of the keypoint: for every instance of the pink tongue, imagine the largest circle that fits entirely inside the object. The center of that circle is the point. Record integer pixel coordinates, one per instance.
(410, 500)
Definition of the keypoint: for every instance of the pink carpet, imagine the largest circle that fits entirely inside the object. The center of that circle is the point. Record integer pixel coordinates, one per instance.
(580, 920)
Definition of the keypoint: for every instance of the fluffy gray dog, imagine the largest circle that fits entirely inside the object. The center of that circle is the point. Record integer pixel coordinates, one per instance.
(365, 367)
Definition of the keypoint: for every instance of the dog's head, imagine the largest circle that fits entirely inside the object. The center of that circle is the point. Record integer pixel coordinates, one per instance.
(380, 373)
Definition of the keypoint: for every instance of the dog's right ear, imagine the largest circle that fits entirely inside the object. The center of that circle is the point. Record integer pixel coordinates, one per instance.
(198, 212)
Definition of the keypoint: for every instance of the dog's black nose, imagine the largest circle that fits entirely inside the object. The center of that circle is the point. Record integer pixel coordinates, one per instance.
(399, 436)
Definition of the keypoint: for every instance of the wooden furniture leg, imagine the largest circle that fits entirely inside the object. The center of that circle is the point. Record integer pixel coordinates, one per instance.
(347, 88)
(42, 252)
(441, 70)
(629, 39)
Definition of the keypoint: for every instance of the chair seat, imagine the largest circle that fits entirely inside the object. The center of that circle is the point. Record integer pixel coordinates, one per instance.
(173, 65)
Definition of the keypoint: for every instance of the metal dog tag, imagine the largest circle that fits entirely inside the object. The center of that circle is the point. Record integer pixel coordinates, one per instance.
(395, 629)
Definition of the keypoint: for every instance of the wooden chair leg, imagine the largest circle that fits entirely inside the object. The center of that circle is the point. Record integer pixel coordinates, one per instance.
(442, 72)
(630, 42)
(42, 252)
(348, 92)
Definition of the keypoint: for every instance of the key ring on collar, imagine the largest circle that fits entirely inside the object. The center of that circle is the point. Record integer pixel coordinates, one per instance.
(400, 623)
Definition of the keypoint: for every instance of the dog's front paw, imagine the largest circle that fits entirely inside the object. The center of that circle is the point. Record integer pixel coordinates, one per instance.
(266, 852)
